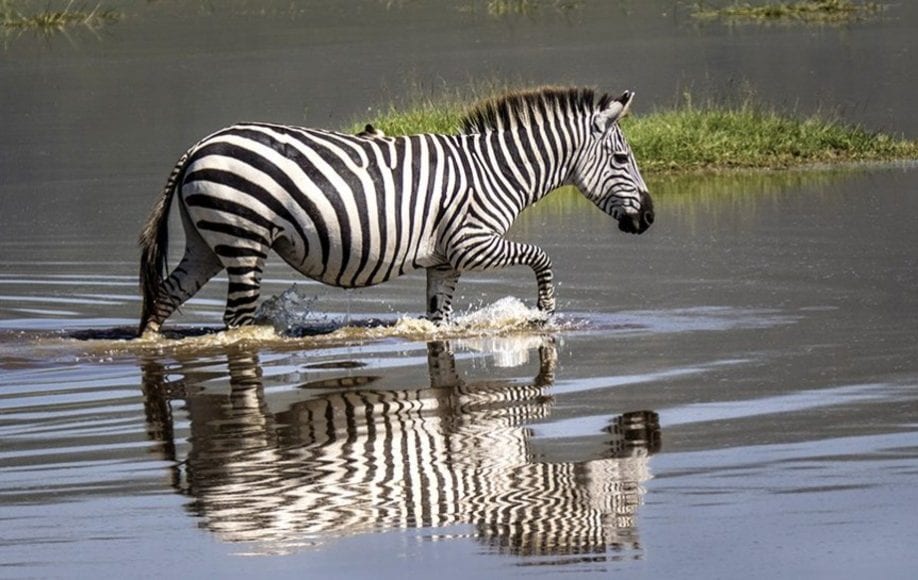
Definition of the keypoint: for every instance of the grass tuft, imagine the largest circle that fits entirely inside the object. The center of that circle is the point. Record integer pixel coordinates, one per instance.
(431, 109)
(426, 116)
(14, 16)
(811, 11)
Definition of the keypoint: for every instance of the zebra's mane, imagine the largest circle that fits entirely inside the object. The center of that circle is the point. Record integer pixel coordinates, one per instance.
(517, 107)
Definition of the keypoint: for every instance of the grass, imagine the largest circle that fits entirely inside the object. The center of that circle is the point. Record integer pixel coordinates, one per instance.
(752, 136)
(691, 138)
(422, 116)
(22, 16)
(812, 11)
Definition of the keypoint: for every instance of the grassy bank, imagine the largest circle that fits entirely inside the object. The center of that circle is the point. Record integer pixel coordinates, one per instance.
(697, 138)
(47, 17)
(751, 136)
(815, 11)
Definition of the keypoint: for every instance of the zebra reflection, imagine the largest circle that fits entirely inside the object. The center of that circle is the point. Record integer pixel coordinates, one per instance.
(353, 459)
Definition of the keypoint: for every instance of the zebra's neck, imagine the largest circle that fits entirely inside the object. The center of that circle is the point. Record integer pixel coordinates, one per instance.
(525, 164)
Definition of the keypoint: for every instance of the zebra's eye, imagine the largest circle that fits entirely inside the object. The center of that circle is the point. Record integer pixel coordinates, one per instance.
(620, 157)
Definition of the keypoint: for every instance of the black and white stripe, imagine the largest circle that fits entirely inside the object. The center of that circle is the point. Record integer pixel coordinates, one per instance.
(358, 210)
(351, 458)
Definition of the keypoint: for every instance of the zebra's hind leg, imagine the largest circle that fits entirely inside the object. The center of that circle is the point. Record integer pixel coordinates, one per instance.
(244, 272)
(198, 265)
(441, 285)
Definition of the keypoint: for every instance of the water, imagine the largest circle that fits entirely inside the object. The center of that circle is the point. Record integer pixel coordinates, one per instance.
(732, 393)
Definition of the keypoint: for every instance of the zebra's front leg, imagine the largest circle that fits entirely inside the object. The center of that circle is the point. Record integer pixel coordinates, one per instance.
(489, 251)
(548, 362)
(544, 280)
(441, 364)
(441, 285)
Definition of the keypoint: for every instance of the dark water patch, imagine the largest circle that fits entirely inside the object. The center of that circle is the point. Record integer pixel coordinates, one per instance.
(341, 383)
(820, 489)
(175, 333)
(320, 328)
(120, 333)
(701, 318)
(344, 364)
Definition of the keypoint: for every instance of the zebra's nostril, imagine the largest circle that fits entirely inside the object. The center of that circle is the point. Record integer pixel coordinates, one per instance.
(648, 218)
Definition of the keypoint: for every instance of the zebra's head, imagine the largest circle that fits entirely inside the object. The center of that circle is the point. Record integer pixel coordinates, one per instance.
(608, 173)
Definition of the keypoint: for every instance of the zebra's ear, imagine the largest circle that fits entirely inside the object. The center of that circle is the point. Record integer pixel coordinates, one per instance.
(603, 120)
(625, 100)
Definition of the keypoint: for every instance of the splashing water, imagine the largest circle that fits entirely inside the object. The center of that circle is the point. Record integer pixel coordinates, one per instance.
(291, 312)
(506, 316)
(508, 312)
(290, 320)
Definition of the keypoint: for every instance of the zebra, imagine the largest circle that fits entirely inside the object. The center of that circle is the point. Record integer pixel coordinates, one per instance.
(357, 210)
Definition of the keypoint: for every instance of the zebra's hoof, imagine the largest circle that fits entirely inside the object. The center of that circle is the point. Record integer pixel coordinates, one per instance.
(151, 332)
(547, 307)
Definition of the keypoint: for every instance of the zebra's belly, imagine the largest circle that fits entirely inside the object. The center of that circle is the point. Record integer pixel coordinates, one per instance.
(350, 263)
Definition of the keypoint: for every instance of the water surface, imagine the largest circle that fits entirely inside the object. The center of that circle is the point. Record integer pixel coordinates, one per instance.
(733, 393)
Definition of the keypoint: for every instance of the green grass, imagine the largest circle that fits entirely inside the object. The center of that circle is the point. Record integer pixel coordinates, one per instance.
(813, 11)
(691, 138)
(751, 136)
(23, 15)
(422, 116)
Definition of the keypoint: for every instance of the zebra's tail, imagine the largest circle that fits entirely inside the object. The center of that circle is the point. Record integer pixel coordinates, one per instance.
(154, 244)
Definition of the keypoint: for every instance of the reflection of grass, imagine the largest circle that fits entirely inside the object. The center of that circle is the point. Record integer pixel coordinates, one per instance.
(18, 16)
(801, 10)
(690, 196)
(748, 182)
(693, 138)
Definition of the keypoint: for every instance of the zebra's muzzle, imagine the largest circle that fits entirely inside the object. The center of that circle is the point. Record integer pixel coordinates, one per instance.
(638, 223)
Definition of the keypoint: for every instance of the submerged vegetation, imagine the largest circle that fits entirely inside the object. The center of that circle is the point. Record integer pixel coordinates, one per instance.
(690, 137)
(814, 11)
(48, 18)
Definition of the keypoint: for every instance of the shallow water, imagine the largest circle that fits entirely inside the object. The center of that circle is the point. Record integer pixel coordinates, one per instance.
(748, 360)
(733, 393)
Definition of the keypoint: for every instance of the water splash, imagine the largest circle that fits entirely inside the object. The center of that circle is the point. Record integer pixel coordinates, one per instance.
(290, 320)
(509, 312)
(290, 312)
(506, 316)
